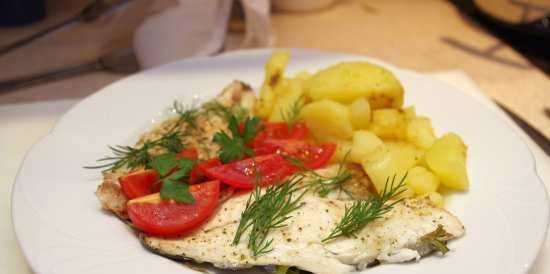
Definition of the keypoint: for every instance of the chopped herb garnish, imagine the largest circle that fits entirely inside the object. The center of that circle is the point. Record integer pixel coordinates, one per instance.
(437, 239)
(234, 148)
(132, 157)
(291, 114)
(173, 176)
(238, 111)
(323, 185)
(267, 211)
(186, 115)
(363, 212)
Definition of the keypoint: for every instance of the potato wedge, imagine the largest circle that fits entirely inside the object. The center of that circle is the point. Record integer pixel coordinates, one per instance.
(342, 152)
(420, 132)
(327, 119)
(421, 180)
(274, 76)
(436, 198)
(391, 162)
(360, 113)
(348, 81)
(365, 143)
(447, 159)
(410, 112)
(288, 102)
(389, 124)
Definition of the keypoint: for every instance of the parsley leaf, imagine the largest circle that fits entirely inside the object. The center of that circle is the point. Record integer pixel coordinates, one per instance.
(163, 163)
(174, 174)
(178, 191)
(234, 148)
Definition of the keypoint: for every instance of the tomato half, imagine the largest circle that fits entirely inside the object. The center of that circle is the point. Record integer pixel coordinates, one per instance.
(281, 131)
(198, 174)
(139, 183)
(242, 174)
(190, 153)
(313, 156)
(169, 218)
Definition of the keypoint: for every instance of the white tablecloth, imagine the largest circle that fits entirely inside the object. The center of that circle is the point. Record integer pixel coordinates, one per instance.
(23, 125)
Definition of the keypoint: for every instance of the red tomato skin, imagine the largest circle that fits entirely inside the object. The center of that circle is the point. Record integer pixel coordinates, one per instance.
(198, 172)
(190, 153)
(313, 156)
(170, 218)
(282, 131)
(139, 183)
(242, 174)
(328, 150)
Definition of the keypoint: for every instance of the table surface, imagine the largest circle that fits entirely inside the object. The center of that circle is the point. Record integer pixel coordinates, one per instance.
(423, 35)
(426, 36)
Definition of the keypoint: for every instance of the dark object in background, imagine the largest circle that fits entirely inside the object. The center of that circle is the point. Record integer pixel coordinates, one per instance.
(122, 61)
(531, 39)
(21, 12)
(91, 12)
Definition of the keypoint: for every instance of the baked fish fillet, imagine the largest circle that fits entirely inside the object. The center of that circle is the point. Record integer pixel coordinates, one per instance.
(397, 237)
(209, 120)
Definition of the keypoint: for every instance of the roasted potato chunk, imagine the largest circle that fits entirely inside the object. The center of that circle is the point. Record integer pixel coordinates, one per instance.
(389, 124)
(365, 143)
(346, 82)
(420, 132)
(274, 77)
(421, 180)
(360, 113)
(447, 159)
(383, 166)
(327, 119)
(289, 101)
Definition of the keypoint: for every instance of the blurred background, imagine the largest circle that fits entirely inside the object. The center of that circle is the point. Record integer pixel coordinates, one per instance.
(503, 45)
(53, 53)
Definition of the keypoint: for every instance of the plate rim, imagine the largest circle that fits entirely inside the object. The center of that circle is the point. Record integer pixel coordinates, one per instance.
(294, 51)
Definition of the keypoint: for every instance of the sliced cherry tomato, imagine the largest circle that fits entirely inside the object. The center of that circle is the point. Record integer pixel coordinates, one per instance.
(190, 153)
(198, 172)
(282, 131)
(225, 193)
(242, 174)
(160, 217)
(313, 156)
(139, 183)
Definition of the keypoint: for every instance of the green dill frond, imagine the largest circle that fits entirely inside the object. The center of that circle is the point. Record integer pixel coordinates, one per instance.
(320, 184)
(267, 211)
(127, 156)
(188, 116)
(291, 114)
(171, 141)
(239, 112)
(362, 212)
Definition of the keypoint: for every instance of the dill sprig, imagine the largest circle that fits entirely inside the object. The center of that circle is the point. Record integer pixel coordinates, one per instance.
(186, 115)
(267, 211)
(323, 185)
(291, 115)
(237, 111)
(363, 212)
(133, 157)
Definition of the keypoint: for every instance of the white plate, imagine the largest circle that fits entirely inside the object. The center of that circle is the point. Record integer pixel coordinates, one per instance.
(61, 228)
